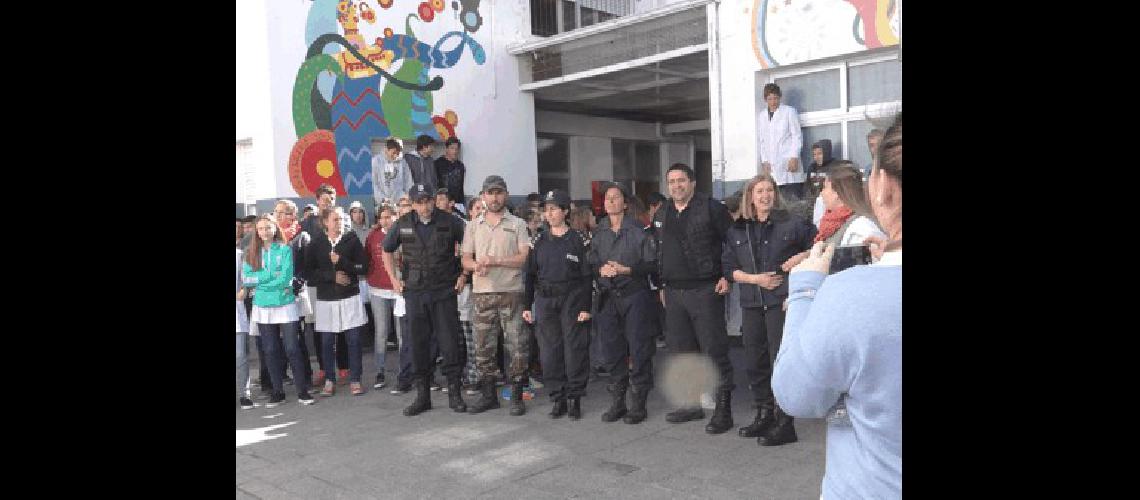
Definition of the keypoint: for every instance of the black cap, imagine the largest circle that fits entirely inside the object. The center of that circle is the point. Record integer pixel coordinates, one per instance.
(494, 182)
(440, 191)
(419, 191)
(557, 197)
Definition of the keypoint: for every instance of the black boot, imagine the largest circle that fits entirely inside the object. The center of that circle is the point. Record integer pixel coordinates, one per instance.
(559, 408)
(575, 410)
(760, 425)
(783, 432)
(617, 404)
(455, 396)
(637, 412)
(423, 399)
(487, 400)
(681, 415)
(517, 406)
(721, 420)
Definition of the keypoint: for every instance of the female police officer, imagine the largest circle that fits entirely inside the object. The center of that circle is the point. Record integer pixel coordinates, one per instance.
(622, 255)
(557, 271)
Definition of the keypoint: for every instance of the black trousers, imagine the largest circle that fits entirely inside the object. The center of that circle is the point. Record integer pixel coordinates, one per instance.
(763, 330)
(696, 323)
(626, 328)
(430, 319)
(562, 343)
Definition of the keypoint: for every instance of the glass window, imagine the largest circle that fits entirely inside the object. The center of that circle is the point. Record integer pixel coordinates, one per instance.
(857, 142)
(623, 160)
(547, 184)
(569, 21)
(648, 158)
(553, 155)
(811, 92)
(875, 82)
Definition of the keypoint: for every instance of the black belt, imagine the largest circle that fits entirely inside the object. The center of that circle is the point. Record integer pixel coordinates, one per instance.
(558, 288)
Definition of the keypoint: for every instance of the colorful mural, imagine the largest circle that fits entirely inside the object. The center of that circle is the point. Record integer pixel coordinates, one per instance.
(791, 31)
(345, 93)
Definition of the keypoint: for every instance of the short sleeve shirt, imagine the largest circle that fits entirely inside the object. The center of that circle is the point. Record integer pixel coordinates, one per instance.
(502, 240)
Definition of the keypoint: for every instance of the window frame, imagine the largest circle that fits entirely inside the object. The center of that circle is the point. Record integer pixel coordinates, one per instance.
(844, 113)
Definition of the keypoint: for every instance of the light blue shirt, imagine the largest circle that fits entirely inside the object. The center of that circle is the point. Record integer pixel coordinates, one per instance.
(847, 340)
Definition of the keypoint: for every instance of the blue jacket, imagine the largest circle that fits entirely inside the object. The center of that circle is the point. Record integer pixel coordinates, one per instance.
(272, 283)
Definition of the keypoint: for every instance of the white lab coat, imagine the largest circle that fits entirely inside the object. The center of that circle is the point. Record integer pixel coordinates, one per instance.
(780, 140)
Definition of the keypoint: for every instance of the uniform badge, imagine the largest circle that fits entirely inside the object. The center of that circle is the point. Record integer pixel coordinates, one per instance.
(656, 223)
(572, 257)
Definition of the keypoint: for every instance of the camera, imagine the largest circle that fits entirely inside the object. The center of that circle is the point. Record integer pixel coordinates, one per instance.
(847, 256)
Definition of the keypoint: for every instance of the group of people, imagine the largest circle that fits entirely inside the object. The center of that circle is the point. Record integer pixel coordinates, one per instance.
(596, 297)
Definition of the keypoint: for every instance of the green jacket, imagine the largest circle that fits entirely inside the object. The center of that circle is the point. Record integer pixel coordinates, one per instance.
(273, 283)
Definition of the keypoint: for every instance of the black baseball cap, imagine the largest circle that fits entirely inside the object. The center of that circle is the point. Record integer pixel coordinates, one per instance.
(557, 197)
(419, 191)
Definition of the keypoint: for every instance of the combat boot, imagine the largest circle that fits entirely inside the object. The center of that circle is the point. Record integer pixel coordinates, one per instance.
(721, 420)
(455, 396)
(783, 432)
(637, 412)
(487, 400)
(617, 404)
(760, 425)
(423, 399)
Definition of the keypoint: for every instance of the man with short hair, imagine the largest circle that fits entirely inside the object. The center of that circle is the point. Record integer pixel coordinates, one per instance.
(391, 177)
(495, 247)
(690, 232)
(421, 164)
(780, 142)
(450, 172)
(443, 201)
(428, 241)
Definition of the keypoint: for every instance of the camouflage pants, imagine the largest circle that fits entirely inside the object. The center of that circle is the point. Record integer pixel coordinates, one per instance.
(499, 316)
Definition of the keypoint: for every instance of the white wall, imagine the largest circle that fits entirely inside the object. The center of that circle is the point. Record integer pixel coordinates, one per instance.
(496, 121)
(738, 70)
(253, 98)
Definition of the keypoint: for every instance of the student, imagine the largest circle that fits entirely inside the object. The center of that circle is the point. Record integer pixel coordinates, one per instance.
(269, 268)
(333, 261)
(242, 344)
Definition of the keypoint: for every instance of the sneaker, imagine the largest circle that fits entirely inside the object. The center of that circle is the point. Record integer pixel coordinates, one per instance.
(341, 377)
(356, 388)
(661, 343)
(247, 404)
(379, 381)
(277, 399)
(401, 388)
(329, 389)
(472, 390)
(305, 398)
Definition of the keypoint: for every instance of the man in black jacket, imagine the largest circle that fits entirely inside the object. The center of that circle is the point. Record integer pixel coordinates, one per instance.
(690, 231)
(450, 173)
(422, 165)
(428, 240)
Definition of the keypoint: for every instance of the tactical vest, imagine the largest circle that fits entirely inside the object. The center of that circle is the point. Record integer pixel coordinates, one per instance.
(699, 242)
(427, 265)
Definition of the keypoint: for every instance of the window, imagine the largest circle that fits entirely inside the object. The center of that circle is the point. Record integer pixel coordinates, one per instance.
(551, 17)
(637, 166)
(553, 162)
(840, 100)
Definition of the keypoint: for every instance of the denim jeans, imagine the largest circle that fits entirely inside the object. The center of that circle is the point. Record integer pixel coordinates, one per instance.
(271, 340)
(243, 364)
(355, 362)
(381, 314)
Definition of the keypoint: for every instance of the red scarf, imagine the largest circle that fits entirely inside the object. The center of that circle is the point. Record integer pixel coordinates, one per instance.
(289, 232)
(831, 222)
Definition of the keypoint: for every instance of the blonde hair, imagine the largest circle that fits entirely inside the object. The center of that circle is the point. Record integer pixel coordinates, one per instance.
(746, 209)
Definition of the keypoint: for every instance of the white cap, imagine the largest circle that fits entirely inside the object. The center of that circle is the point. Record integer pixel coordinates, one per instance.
(356, 204)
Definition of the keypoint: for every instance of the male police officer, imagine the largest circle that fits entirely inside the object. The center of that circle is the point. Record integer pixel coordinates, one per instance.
(428, 240)
(690, 232)
(622, 255)
(495, 249)
(557, 270)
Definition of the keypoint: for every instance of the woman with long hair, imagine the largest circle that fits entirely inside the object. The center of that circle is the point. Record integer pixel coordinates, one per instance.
(333, 261)
(759, 249)
(843, 347)
(269, 269)
(847, 218)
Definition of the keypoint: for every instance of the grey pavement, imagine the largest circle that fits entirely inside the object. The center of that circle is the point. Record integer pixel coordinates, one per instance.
(364, 447)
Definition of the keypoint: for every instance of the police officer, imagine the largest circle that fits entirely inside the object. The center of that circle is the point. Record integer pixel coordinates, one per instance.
(621, 257)
(690, 232)
(430, 277)
(558, 272)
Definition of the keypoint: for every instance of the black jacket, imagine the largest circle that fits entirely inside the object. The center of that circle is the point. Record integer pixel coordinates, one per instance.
(759, 247)
(559, 265)
(631, 246)
(321, 273)
(450, 175)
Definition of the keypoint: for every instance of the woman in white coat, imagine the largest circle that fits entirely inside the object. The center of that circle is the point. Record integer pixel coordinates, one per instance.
(778, 127)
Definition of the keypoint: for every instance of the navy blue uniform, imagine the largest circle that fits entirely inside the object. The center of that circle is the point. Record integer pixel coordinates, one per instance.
(623, 308)
(558, 284)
